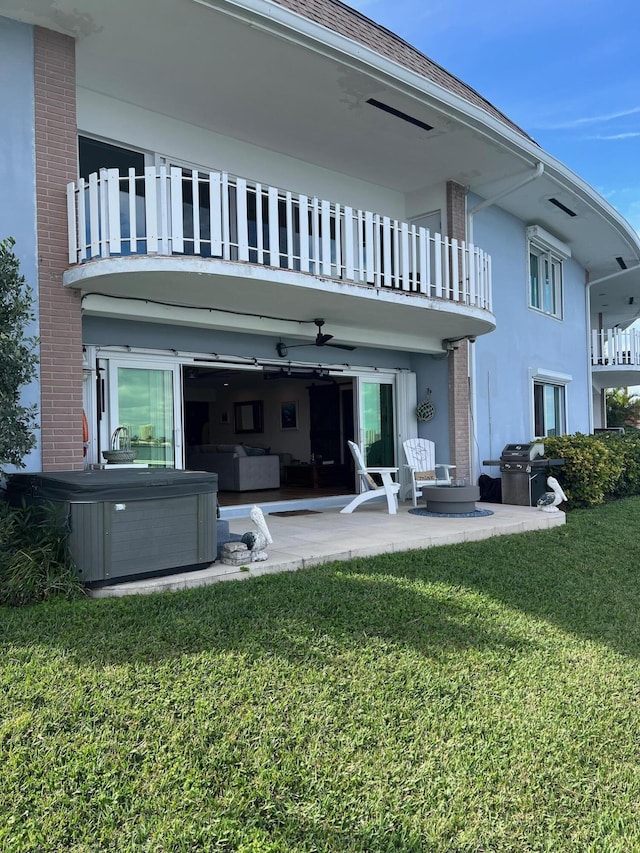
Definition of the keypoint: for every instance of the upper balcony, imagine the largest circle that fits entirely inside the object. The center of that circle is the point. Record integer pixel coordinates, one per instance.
(214, 241)
(615, 358)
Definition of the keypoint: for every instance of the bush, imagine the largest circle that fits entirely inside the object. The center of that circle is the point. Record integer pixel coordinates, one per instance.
(18, 360)
(34, 561)
(593, 467)
(627, 448)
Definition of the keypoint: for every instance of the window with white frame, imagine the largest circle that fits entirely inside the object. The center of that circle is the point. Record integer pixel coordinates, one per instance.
(546, 257)
(549, 409)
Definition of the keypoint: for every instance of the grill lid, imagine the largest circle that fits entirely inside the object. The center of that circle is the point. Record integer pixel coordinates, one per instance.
(525, 452)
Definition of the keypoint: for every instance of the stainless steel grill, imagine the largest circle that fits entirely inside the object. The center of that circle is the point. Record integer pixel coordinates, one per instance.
(523, 472)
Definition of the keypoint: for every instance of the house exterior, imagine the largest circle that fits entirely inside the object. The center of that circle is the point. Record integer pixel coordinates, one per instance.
(193, 184)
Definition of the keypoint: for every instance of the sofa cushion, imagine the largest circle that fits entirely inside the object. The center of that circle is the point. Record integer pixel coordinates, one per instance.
(255, 451)
(238, 449)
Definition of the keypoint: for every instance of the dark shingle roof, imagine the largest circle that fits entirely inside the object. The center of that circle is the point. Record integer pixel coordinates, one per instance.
(349, 22)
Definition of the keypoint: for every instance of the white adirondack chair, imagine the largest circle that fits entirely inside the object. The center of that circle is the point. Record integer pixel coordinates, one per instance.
(389, 489)
(421, 454)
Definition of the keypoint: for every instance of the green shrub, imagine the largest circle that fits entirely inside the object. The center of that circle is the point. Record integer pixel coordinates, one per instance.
(592, 470)
(34, 561)
(18, 359)
(627, 449)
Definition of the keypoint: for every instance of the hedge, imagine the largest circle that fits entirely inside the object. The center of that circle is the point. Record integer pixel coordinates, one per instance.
(596, 467)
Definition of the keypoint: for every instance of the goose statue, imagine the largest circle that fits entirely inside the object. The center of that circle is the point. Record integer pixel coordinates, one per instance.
(258, 539)
(548, 502)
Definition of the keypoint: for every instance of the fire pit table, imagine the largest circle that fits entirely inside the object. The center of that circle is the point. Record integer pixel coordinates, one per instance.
(455, 499)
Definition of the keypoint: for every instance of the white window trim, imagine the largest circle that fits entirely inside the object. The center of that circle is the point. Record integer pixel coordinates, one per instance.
(548, 377)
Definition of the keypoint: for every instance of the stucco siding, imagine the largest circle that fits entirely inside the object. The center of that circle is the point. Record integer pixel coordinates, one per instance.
(102, 331)
(525, 341)
(17, 171)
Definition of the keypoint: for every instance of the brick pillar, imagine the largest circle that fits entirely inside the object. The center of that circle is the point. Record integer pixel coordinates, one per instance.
(459, 402)
(60, 315)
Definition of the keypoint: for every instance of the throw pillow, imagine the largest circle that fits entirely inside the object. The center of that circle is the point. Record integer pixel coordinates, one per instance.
(254, 451)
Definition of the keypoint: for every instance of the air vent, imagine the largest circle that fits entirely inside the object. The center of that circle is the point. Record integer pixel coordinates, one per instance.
(621, 263)
(399, 114)
(563, 207)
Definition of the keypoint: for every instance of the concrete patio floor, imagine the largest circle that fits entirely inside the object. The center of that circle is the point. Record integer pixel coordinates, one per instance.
(301, 541)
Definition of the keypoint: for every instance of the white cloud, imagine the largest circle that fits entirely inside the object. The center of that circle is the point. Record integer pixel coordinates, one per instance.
(596, 119)
(613, 136)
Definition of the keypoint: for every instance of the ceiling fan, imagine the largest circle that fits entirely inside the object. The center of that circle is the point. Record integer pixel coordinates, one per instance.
(322, 340)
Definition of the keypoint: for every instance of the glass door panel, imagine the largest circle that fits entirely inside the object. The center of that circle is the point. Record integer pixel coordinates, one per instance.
(376, 422)
(143, 399)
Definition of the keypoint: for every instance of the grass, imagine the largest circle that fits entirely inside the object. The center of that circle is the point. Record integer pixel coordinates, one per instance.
(477, 697)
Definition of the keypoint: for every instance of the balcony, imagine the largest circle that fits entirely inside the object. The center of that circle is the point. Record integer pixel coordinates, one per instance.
(615, 357)
(236, 228)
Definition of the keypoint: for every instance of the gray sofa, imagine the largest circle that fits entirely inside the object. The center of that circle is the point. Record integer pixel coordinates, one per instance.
(239, 468)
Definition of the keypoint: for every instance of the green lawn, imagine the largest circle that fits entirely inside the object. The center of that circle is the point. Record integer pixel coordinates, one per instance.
(477, 697)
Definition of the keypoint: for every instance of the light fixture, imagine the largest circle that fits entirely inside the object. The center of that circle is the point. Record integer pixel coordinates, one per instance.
(451, 343)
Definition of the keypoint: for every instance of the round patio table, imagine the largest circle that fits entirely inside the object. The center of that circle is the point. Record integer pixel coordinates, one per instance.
(451, 499)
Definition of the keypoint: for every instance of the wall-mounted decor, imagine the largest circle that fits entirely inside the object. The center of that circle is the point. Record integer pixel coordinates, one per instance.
(289, 415)
(249, 416)
(224, 417)
(426, 410)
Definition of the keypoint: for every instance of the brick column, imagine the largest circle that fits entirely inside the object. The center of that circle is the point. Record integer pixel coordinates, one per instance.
(459, 401)
(59, 308)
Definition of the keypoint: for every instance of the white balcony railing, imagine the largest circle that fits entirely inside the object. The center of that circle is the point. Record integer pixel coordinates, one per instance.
(614, 348)
(171, 211)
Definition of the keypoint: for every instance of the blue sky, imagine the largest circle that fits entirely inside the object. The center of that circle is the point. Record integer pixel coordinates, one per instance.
(566, 71)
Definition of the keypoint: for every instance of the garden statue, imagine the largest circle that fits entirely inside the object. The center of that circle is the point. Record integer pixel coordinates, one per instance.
(548, 502)
(256, 541)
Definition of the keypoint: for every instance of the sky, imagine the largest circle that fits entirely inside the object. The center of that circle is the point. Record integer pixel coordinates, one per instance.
(566, 71)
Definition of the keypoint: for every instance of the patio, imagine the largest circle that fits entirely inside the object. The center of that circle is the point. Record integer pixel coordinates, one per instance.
(324, 535)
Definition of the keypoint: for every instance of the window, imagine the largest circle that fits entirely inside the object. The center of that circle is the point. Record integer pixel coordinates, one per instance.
(94, 155)
(545, 281)
(549, 409)
(546, 256)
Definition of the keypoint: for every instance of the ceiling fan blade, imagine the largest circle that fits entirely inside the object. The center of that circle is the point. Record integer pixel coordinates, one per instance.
(340, 346)
(322, 340)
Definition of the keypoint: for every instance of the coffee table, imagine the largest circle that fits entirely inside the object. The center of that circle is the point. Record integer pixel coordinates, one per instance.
(315, 476)
(451, 499)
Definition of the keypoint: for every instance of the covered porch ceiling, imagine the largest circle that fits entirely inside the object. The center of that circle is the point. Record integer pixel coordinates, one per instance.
(256, 72)
(608, 377)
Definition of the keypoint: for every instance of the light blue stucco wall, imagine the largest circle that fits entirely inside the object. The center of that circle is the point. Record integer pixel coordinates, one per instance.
(524, 341)
(102, 331)
(432, 374)
(17, 169)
